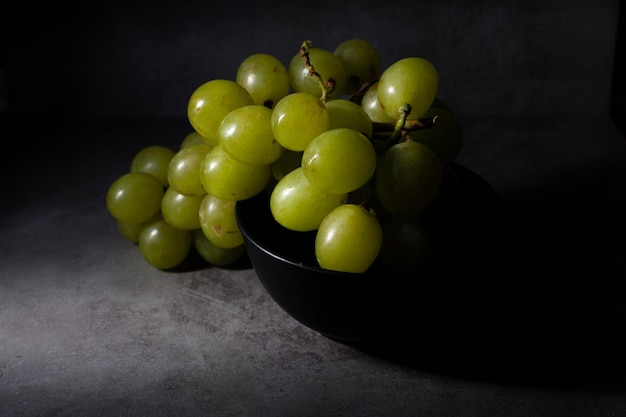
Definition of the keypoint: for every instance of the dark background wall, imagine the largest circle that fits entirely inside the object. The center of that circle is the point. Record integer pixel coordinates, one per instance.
(143, 59)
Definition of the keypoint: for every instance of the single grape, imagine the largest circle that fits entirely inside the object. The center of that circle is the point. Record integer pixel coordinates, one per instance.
(192, 138)
(287, 162)
(326, 64)
(410, 245)
(180, 210)
(228, 179)
(246, 135)
(153, 160)
(346, 113)
(297, 119)
(361, 62)
(348, 239)
(413, 81)
(298, 205)
(135, 197)
(219, 223)
(265, 77)
(339, 161)
(373, 108)
(407, 179)
(210, 102)
(183, 173)
(445, 137)
(213, 254)
(163, 245)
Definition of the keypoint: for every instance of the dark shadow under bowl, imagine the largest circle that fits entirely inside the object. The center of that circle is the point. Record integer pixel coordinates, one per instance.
(352, 307)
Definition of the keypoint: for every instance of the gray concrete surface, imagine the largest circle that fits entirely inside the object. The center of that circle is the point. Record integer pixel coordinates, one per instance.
(88, 328)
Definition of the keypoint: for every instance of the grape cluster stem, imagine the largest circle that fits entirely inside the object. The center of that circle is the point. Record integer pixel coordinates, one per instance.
(326, 87)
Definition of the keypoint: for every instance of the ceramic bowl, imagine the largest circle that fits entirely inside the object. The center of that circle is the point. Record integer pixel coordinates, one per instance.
(357, 307)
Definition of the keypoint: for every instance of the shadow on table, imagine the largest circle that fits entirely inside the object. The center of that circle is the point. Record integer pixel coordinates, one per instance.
(552, 307)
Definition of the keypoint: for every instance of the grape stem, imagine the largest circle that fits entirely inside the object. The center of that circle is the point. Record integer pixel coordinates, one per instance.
(326, 87)
(357, 96)
(398, 128)
(393, 134)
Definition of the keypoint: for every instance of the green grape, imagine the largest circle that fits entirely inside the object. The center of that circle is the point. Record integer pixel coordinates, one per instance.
(346, 113)
(372, 106)
(410, 245)
(287, 162)
(153, 160)
(210, 102)
(407, 179)
(218, 222)
(229, 179)
(131, 231)
(326, 64)
(445, 137)
(246, 135)
(298, 205)
(265, 77)
(361, 62)
(164, 246)
(192, 138)
(413, 81)
(297, 119)
(183, 173)
(349, 239)
(134, 197)
(339, 161)
(180, 210)
(214, 254)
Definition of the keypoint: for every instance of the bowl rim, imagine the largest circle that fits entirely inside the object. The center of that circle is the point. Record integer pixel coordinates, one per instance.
(249, 239)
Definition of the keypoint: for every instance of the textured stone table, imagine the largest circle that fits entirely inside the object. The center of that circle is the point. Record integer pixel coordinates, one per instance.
(88, 328)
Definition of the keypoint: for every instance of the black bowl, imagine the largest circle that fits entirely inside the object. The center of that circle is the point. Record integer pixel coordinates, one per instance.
(352, 307)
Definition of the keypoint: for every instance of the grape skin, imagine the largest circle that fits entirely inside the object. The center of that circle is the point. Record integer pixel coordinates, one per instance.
(265, 77)
(408, 179)
(211, 102)
(346, 113)
(229, 179)
(246, 135)
(349, 239)
(214, 254)
(153, 160)
(183, 173)
(298, 205)
(297, 119)
(361, 62)
(163, 245)
(339, 161)
(219, 223)
(411, 80)
(135, 197)
(445, 137)
(180, 210)
(371, 105)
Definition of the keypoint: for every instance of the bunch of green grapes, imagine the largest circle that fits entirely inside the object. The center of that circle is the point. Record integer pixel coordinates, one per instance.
(341, 146)
(366, 179)
(172, 202)
(157, 205)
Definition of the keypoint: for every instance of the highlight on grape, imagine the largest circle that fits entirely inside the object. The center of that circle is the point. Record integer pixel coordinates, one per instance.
(341, 145)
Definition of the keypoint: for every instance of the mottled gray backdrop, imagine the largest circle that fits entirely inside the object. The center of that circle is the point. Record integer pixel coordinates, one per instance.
(143, 59)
